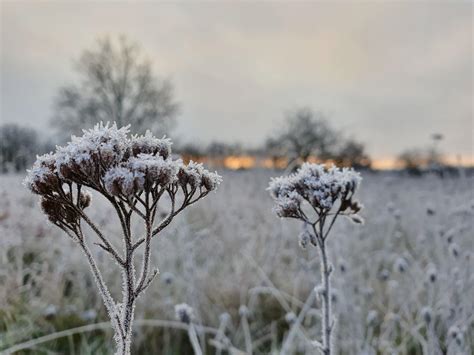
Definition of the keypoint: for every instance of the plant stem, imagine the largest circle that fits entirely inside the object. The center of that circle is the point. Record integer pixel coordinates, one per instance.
(325, 273)
(128, 303)
(194, 340)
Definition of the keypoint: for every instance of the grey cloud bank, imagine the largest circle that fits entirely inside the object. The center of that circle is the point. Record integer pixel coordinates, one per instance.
(389, 74)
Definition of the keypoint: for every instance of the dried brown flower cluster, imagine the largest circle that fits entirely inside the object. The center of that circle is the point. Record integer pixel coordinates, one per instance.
(134, 174)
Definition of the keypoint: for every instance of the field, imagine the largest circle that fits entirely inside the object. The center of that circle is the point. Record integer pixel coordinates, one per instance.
(403, 281)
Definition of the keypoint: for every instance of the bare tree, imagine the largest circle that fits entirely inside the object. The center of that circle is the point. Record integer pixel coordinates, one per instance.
(18, 146)
(305, 133)
(117, 84)
(413, 160)
(352, 153)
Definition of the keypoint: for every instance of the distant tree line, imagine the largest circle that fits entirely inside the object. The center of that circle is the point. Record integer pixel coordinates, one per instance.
(303, 135)
(417, 161)
(19, 146)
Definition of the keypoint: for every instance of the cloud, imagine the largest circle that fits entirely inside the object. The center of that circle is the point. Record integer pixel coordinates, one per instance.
(388, 73)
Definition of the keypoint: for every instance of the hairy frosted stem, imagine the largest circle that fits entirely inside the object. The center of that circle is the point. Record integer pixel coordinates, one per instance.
(106, 297)
(128, 311)
(194, 340)
(325, 274)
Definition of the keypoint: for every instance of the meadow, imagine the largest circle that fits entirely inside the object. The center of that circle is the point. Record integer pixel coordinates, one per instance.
(402, 282)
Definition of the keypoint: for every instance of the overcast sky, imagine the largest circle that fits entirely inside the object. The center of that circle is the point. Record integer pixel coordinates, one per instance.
(389, 74)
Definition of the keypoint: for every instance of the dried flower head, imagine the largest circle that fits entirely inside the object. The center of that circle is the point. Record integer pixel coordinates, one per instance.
(184, 313)
(372, 317)
(148, 144)
(316, 195)
(133, 173)
(290, 317)
(431, 273)
(107, 160)
(319, 187)
(426, 314)
(400, 265)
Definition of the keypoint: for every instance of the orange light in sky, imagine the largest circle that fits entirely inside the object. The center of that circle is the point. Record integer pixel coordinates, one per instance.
(239, 162)
(236, 162)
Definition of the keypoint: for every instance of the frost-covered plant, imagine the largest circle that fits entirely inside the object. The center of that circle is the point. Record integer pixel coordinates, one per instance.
(317, 196)
(135, 174)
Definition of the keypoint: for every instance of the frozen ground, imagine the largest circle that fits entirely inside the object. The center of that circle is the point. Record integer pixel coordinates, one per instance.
(404, 281)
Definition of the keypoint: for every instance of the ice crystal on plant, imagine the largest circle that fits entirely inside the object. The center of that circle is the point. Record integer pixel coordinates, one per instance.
(120, 180)
(155, 168)
(104, 144)
(196, 176)
(148, 144)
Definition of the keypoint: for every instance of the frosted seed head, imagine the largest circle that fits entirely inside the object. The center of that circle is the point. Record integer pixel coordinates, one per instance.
(168, 278)
(42, 179)
(224, 318)
(431, 273)
(430, 211)
(459, 338)
(184, 313)
(384, 275)
(155, 169)
(453, 332)
(304, 239)
(321, 187)
(372, 317)
(449, 235)
(211, 181)
(149, 144)
(194, 176)
(289, 206)
(86, 157)
(426, 314)
(121, 180)
(342, 266)
(454, 249)
(58, 212)
(401, 265)
(89, 315)
(85, 199)
(244, 311)
(50, 311)
(290, 317)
